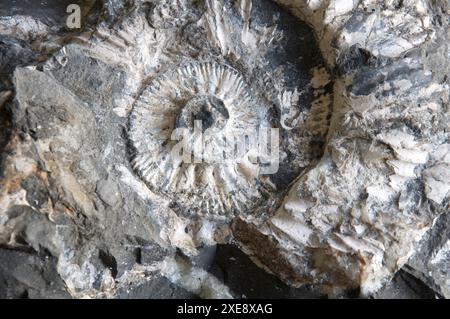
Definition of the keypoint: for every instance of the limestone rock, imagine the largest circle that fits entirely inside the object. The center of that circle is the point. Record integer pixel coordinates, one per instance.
(355, 181)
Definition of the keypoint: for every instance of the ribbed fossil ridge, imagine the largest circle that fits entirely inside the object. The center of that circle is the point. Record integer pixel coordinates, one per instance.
(206, 186)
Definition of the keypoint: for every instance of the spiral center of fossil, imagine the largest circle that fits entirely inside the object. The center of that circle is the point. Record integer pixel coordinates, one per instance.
(208, 112)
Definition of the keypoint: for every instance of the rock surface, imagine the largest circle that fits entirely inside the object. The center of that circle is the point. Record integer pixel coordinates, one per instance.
(92, 203)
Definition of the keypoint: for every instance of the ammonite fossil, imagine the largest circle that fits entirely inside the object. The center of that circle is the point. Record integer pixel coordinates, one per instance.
(227, 137)
(216, 97)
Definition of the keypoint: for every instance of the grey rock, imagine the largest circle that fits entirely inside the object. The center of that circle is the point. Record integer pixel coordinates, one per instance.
(230, 265)
(406, 286)
(431, 261)
(51, 11)
(358, 91)
(156, 288)
(5, 120)
(25, 274)
(37, 194)
(108, 192)
(13, 53)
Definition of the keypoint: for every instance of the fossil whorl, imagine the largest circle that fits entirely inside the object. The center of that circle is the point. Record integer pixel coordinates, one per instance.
(217, 96)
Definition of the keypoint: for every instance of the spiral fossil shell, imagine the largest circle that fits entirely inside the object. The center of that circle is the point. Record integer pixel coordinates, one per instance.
(254, 85)
(168, 103)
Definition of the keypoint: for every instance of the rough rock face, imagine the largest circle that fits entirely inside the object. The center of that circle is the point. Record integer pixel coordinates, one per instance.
(354, 99)
(355, 218)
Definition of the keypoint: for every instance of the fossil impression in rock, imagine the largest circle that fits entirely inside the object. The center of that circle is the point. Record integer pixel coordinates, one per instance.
(240, 113)
(215, 97)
